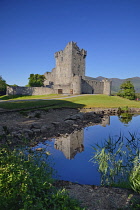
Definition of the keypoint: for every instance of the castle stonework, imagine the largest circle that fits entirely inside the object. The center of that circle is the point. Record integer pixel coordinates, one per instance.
(67, 77)
(69, 74)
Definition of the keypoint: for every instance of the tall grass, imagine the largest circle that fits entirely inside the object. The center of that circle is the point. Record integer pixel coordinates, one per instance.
(118, 161)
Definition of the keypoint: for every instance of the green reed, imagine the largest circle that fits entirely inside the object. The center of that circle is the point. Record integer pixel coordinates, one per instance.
(118, 161)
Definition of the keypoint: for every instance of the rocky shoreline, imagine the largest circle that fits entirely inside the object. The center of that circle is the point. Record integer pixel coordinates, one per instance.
(43, 124)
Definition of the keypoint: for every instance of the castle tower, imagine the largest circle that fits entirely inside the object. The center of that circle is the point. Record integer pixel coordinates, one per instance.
(63, 72)
(68, 77)
(69, 62)
(107, 87)
(78, 60)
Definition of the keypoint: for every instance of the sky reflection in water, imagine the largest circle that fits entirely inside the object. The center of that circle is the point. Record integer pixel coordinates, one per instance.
(71, 154)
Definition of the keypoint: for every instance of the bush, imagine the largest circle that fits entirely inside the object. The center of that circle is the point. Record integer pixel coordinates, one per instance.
(26, 183)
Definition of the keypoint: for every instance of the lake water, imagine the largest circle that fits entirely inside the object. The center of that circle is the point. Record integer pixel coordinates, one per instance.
(71, 154)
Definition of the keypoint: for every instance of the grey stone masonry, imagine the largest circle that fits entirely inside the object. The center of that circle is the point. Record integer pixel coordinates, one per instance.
(67, 77)
(69, 74)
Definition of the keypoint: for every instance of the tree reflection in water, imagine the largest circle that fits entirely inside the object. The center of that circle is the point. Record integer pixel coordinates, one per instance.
(125, 117)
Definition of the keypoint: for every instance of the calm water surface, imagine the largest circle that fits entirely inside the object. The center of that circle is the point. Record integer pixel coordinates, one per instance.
(70, 154)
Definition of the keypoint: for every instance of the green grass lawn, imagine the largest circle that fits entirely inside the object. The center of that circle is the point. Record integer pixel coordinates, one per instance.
(104, 101)
(49, 96)
(83, 101)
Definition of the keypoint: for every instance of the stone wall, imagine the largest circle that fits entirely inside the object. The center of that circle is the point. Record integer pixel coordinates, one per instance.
(28, 90)
(92, 87)
(62, 89)
(77, 85)
(49, 81)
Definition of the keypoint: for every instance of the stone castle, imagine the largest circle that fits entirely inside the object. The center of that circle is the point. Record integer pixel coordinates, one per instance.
(69, 74)
(68, 77)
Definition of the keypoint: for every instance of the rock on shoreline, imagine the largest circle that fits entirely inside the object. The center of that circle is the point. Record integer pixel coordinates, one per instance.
(39, 124)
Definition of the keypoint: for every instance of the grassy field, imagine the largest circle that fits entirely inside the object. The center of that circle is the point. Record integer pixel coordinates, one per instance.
(104, 101)
(49, 96)
(86, 101)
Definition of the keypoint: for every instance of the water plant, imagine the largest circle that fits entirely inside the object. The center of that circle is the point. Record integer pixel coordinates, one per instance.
(134, 177)
(118, 161)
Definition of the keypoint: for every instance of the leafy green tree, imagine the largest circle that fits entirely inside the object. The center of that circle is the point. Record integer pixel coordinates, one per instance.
(36, 80)
(127, 90)
(2, 86)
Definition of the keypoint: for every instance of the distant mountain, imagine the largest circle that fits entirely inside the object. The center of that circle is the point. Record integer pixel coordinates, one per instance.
(116, 82)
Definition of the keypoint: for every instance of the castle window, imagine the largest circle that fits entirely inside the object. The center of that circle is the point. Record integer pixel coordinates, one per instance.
(61, 58)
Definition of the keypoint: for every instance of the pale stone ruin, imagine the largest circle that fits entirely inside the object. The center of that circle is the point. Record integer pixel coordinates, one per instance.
(68, 77)
(69, 74)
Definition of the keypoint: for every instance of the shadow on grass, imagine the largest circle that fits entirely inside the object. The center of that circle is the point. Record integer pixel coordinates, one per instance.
(39, 103)
(5, 97)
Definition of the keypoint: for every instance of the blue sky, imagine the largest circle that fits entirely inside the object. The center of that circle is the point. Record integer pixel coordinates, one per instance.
(31, 31)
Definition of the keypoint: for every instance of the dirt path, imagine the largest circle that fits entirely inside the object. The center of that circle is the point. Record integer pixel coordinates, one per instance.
(99, 198)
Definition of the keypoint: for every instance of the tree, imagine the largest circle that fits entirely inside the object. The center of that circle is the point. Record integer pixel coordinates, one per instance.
(36, 80)
(127, 90)
(2, 86)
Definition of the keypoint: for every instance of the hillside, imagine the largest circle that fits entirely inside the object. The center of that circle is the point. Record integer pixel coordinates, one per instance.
(116, 82)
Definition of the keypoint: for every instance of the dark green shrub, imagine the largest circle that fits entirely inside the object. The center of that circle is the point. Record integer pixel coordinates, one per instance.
(127, 90)
(26, 183)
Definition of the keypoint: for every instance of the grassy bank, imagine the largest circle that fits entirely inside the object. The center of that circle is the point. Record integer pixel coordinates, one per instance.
(83, 101)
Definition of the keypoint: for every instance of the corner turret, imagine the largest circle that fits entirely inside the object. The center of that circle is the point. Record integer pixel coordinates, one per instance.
(107, 86)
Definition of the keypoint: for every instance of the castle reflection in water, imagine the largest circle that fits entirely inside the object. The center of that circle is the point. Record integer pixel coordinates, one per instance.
(71, 144)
